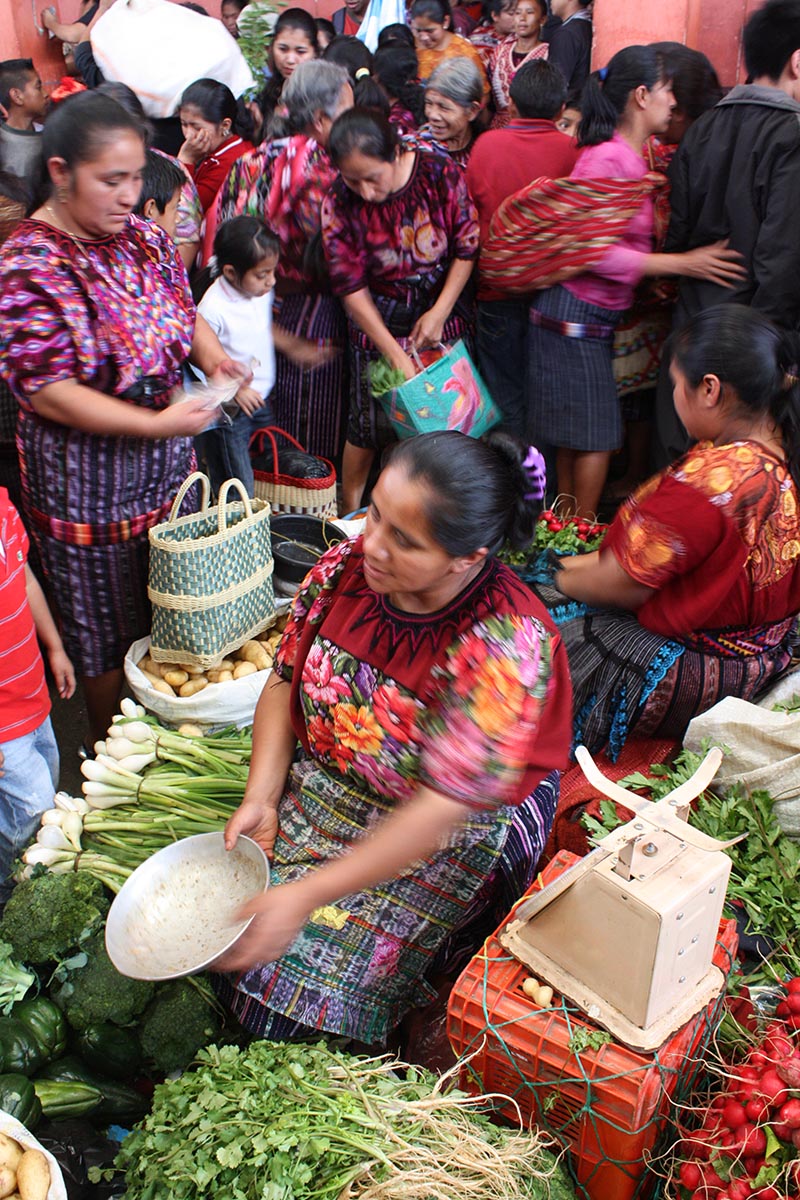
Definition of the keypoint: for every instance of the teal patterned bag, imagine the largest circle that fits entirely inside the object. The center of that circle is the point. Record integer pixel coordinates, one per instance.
(449, 394)
(210, 581)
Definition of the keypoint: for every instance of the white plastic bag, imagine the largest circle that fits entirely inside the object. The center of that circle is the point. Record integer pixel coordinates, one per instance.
(379, 14)
(158, 49)
(16, 1130)
(762, 751)
(217, 705)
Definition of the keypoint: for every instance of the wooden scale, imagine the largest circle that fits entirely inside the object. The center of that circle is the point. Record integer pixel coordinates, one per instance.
(628, 933)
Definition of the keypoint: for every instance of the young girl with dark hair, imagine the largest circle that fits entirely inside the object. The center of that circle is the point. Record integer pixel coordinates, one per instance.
(431, 697)
(400, 235)
(294, 41)
(210, 120)
(238, 307)
(432, 26)
(509, 55)
(705, 557)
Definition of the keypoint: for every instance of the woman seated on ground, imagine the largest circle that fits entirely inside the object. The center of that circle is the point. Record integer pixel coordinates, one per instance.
(431, 701)
(453, 103)
(705, 557)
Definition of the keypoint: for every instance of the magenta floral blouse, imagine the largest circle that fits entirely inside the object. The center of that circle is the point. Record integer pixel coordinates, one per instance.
(411, 235)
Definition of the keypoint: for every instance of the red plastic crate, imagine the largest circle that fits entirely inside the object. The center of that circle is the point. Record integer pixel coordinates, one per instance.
(607, 1106)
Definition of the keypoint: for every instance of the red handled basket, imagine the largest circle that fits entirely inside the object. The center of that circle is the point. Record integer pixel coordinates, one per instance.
(292, 493)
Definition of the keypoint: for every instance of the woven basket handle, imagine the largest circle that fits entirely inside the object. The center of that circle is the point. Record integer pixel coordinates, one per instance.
(184, 488)
(222, 500)
(269, 432)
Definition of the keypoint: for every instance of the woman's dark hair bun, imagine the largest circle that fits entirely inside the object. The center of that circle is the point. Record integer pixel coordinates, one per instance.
(483, 493)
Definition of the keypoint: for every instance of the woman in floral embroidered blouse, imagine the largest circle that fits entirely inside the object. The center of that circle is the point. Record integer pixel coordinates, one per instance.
(431, 700)
(400, 235)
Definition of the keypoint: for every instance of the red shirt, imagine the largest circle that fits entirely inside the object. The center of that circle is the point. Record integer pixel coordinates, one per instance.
(505, 160)
(212, 171)
(717, 535)
(24, 699)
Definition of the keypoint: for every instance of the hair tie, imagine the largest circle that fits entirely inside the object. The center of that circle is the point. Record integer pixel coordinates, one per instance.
(362, 73)
(602, 74)
(213, 266)
(534, 467)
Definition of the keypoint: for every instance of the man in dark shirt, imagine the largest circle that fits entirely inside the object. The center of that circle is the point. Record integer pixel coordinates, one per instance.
(736, 176)
(571, 41)
(502, 162)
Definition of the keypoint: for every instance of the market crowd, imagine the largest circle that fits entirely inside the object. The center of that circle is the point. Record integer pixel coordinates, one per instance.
(616, 248)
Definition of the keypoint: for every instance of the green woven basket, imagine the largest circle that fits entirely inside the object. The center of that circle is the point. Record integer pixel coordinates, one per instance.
(210, 576)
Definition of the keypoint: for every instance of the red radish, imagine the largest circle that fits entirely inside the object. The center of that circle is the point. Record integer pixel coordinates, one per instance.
(733, 1114)
(793, 1020)
(772, 1088)
(793, 985)
(690, 1175)
(739, 1189)
(757, 1110)
(767, 1193)
(789, 1114)
(789, 1072)
(754, 1141)
(784, 1132)
(777, 1044)
(752, 1166)
(758, 1059)
(783, 1009)
(793, 1002)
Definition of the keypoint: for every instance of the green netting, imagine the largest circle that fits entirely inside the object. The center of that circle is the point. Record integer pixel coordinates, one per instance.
(571, 1122)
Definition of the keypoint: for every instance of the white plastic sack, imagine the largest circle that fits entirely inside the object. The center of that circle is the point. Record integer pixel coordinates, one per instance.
(380, 14)
(217, 705)
(14, 1129)
(762, 751)
(158, 49)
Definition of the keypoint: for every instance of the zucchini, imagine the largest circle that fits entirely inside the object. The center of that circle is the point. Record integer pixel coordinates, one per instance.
(117, 1103)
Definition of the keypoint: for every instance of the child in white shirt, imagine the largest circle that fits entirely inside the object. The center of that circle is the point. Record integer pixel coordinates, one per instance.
(238, 307)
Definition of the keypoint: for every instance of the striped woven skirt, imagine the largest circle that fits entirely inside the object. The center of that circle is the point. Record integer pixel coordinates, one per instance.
(359, 965)
(626, 678)
(572, 395)
(368, 425)
(89, 503)
(310, 405)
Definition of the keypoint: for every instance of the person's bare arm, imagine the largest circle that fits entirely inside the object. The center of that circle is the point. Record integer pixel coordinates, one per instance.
(361, 308)
(598, 579)
(50, 638)
(68, 402)
(428, 329)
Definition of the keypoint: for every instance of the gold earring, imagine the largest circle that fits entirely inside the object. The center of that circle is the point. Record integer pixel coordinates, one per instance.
(61, 194)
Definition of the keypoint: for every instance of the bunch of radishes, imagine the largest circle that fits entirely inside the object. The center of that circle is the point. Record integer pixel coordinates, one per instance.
(748, 1142)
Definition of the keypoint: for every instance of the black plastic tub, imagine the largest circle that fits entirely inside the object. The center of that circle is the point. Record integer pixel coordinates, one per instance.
(298, 541)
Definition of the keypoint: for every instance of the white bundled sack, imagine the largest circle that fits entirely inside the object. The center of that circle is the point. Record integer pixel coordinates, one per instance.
(218, 705)
(379, 14)
(158, 49)
(762, 751)
(16, 1130)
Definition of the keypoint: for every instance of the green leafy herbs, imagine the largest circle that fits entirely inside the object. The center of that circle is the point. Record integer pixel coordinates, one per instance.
(584, 1038)
(765, 872)
(383, 377)
(292, 1122)
(256, 25)
(788, 706)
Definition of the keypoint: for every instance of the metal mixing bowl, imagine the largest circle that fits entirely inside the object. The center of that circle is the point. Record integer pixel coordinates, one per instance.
(177, 912)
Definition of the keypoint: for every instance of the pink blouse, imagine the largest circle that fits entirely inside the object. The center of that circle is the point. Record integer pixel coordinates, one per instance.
(614, 279)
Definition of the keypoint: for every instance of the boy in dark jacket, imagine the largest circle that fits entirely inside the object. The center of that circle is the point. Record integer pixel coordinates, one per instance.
(736, 176)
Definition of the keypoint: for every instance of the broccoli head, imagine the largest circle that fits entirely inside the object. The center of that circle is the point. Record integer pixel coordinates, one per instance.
(178, 1023)
(45, 916)
(92, 989)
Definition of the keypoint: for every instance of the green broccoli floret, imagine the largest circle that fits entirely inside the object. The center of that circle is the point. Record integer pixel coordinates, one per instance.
(15, 981)
(93, 990)
(45, 916)
(178, 1023)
